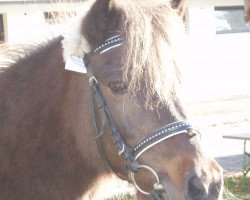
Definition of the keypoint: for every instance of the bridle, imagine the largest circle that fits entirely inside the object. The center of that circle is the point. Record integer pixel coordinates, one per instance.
(129, 155)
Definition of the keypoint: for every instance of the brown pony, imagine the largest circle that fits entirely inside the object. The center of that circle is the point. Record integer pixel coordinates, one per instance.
(57, 141)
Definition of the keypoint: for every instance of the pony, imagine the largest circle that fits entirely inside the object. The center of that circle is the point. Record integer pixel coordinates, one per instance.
(64, 134)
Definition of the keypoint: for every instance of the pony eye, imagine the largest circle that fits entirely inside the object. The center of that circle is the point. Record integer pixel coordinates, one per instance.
(118, 87)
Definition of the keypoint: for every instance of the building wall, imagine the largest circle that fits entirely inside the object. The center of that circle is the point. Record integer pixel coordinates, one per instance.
(215, 64)
(24, 22)
(200, 15)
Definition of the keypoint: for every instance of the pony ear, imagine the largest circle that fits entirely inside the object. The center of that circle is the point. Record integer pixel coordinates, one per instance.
(179, 6)
(101, 21)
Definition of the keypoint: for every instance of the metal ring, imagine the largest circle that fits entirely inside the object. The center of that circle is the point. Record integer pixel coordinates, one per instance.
(92, 78)
(132, 177)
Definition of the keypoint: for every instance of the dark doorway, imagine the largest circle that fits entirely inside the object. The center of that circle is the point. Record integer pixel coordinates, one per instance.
(1, 29)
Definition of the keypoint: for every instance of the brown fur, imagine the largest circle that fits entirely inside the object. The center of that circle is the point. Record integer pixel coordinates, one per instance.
(39, 158)
(47, 145)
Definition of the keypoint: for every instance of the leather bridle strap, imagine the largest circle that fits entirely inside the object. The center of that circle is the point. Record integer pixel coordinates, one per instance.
(98, 99)
(107, 45)
(121, 147)
(131, 156)
(168, 131)
(162, 134)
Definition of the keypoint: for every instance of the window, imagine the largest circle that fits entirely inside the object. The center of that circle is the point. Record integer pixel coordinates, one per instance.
(2, 39)
(56, 17)
(230, 20)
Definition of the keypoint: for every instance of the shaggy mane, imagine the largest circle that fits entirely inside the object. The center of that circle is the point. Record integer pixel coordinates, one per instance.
(152, 35)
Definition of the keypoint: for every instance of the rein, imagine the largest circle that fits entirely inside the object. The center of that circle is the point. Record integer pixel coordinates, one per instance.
(129, 155)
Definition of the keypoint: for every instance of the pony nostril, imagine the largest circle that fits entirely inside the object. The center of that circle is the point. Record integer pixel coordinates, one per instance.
(196, 190)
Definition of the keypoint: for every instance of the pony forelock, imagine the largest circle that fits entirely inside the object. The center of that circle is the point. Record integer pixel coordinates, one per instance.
(152, 36)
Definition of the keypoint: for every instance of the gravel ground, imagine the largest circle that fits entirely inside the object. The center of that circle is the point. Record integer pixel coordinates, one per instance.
(219, 117)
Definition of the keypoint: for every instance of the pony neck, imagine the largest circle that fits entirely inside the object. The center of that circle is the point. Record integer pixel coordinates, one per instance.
(47, 109)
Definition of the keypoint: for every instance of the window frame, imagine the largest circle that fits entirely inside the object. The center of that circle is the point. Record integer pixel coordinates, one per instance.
(57, 17)
(230, 8)
(2, 27)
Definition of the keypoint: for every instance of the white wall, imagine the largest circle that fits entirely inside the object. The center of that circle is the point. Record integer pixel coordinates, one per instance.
(200, 15)
(26, 22)
(215, 65)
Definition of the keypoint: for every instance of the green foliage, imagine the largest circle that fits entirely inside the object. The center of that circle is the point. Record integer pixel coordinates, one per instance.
(235, 189)
(124, 197)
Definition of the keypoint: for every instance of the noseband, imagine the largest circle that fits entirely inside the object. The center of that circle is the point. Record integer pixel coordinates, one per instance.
(130, 155)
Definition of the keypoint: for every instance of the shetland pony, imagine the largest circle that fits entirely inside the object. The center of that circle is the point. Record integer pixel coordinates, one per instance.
(63, 134)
